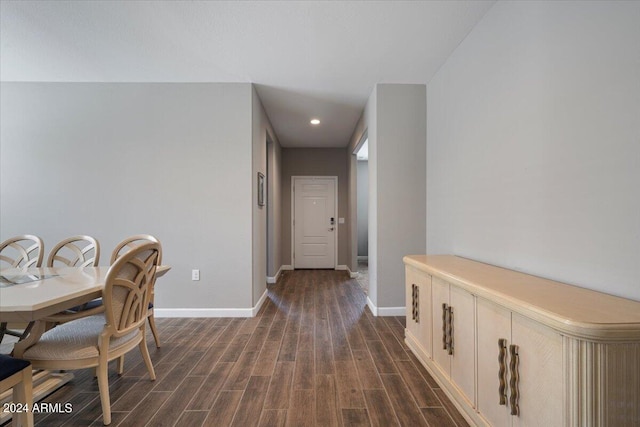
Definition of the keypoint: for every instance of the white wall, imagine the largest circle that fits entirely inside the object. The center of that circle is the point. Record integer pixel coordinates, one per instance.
(111, 160)
(534, 144)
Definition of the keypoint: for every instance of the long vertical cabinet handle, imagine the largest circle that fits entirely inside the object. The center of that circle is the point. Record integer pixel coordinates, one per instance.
(445, 340)
(502, 372)
(450, 330)
(417, 304)
(413, 302)
(515, 379)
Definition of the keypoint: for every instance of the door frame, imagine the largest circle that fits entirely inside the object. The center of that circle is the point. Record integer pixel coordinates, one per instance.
(335, 215)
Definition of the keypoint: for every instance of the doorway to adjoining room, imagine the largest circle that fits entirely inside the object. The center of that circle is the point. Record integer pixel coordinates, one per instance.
(362, 191)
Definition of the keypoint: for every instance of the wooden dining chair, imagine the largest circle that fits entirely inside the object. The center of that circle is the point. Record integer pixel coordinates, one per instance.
(96, 340)
(16, 374)
(75, 251)
(23, 252)
(125, 246)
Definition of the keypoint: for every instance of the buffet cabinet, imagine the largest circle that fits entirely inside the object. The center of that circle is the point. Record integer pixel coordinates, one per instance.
(511, 349)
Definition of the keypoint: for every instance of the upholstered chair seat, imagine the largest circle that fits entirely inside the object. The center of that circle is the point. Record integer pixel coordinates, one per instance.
(77, 341)
(94, 341)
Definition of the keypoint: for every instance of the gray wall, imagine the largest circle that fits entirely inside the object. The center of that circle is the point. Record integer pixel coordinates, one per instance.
(274, 208)
(394, 122)
(534, 144)
(262, 134)
(111, 160)
(315, 162)
(363, 207)
(365, 128)
(399, 181)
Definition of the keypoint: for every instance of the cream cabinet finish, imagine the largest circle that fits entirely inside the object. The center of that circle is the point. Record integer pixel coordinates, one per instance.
(540, 385)
(578, 351)
(454, 356)
(419, 311)
(494, 324)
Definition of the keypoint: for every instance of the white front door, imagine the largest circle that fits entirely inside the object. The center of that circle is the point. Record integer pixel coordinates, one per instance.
(315, 225)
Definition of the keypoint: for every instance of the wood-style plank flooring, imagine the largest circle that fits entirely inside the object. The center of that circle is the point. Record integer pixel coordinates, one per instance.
(314, 356)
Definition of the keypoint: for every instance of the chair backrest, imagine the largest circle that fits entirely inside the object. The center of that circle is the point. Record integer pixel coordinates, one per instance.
(76, 251)
(22, 252)
(128, 288)
(132, 242)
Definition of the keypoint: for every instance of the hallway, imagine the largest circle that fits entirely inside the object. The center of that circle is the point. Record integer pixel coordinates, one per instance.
(314, 355)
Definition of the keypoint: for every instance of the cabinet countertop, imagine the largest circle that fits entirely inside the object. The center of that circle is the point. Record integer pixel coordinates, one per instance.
(572, 310)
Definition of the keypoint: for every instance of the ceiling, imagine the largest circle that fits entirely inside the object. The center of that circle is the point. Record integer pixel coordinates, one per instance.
(308, 59)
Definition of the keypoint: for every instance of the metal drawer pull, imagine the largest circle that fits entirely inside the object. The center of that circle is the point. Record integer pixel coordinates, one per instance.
(417, 304)
(445, 341)
(413, 302)
(502, 372)
(515, 379)
(450, 330)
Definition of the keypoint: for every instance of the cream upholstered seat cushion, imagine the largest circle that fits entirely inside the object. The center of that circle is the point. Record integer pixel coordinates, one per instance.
(75, 340)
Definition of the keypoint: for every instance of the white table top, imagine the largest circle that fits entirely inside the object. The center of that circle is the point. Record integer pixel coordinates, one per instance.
(49, 290)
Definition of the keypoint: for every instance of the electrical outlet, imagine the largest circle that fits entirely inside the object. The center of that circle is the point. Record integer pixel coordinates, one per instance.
(195, 274)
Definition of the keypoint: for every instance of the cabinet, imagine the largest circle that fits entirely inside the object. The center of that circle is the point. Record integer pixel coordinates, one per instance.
(418, 311)
(511, 349)
(454, 319)
(519, 369)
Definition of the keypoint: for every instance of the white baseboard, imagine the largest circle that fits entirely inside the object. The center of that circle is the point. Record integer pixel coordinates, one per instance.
(211, 312)
(385, 311)
(372, 306)
(274, 279)
(352, 274)
(203, 312)
(261, 301)
(392, 311)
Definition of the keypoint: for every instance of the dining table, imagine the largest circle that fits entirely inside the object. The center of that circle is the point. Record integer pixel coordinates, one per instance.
(32, 294)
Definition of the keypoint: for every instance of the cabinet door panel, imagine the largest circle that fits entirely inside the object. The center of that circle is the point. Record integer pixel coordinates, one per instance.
(440, 295)
(494, 323)
(418, 307)
(464, 346)
(424, 328)
(412, 278)
(540, 370)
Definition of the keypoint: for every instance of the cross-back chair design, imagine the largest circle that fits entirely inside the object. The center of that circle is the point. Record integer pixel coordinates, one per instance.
(75, 251)
(125, 246)
(20, 252)
(94, 341)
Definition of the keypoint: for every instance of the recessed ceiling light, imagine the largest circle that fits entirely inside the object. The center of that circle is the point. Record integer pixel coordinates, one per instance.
(315, 122)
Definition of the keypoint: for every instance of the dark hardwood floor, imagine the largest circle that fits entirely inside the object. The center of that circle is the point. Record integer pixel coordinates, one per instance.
(314, 356)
